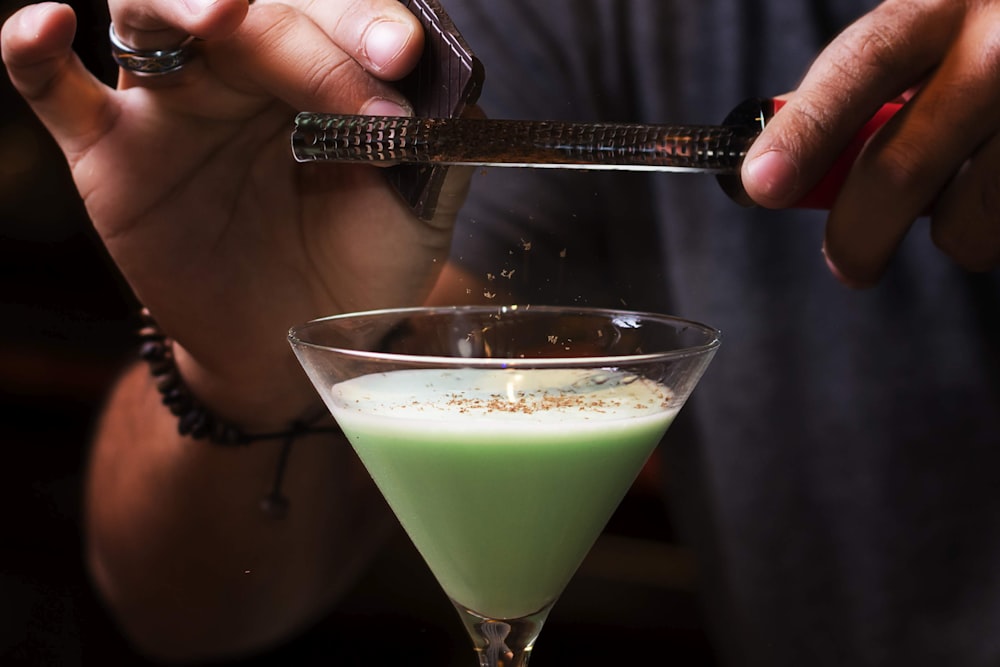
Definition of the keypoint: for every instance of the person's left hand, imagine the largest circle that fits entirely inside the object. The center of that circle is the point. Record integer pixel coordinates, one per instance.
(940, 154)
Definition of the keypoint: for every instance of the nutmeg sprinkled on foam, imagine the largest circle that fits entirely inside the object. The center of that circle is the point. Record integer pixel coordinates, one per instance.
(529, 403)
(548, 395)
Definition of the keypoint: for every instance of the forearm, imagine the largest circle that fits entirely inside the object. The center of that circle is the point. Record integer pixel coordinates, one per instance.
(178, 544)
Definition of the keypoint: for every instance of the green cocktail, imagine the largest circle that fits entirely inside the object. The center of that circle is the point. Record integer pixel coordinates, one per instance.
(504, 438)
(503, 479)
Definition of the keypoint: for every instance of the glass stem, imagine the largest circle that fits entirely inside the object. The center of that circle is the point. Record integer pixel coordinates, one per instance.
(506, 642)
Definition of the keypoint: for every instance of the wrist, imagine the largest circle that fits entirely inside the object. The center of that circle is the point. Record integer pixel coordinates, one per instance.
(257, 400)
(228, 405)
(198, 421)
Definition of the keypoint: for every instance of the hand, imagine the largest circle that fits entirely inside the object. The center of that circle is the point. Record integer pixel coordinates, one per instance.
(940, 154)
(189, 180)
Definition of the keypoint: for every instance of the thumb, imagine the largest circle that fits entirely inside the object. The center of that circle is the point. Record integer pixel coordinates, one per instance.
(36, 44)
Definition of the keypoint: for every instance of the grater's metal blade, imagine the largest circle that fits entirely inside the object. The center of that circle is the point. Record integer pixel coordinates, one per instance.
(712, 149)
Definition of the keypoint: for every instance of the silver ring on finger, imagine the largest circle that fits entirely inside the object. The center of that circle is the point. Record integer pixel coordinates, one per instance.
(149, 62)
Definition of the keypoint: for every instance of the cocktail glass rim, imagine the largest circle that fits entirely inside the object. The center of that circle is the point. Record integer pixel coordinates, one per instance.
(295, 336)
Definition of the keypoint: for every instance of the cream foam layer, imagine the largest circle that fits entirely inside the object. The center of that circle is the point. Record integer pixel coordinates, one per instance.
(536, 396)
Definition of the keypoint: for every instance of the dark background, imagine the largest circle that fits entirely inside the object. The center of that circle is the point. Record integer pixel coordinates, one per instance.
(67, 322)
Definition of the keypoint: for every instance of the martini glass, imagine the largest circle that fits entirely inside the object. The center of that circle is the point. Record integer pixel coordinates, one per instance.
(503, 438)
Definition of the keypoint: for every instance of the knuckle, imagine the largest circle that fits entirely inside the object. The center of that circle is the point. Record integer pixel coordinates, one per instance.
(322, 77)
(883, 44)
(279, 24)
(874, 45)
(903, 165)
(275, 23)
(970, 254)
(970, 232)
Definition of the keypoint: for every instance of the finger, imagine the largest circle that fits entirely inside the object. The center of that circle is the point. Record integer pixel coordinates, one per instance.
(37, 50)
(280, 51)
(966, 223)
(900, 173)
(382, 35)
(163, 24)
(870, 63)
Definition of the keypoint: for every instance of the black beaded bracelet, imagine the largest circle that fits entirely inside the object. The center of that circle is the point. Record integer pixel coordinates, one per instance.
(198, 422)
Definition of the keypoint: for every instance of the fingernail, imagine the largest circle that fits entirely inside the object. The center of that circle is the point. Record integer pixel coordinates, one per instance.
(380, 106)
(383, 43)
(771, 176)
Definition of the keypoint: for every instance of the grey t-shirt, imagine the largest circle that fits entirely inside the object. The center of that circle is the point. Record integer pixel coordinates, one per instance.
(836, 470)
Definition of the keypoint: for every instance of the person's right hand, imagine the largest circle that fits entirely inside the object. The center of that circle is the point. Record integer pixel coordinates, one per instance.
(189, 180)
